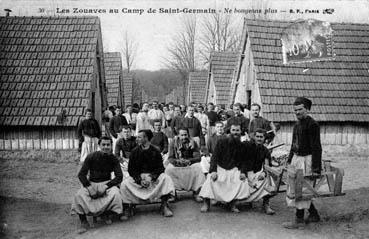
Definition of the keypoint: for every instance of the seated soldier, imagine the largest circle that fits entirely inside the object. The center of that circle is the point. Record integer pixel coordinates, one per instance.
(262, 184)
(212, 141)
(124, 147)
(184, 167)
(147, 182)
(160, 140)
(99, 193)
(226, 181)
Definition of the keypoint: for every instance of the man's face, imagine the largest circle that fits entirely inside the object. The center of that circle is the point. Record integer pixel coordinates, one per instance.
(183, 108)
(177, 111)
(236, 131)
(255, 111)
(183, 135)
(157, 126)
(105, 146)
(219, 129)
(259, 138)
(165, 109)
(129, 109)
(118, 111)
(210, 107)
(88, 115)
(155, 105)
(145, 107)
(200, 110)
(171, 107)
(141, 138)
(300, 111)
(126, 133)
(236, 110)
(190, 111)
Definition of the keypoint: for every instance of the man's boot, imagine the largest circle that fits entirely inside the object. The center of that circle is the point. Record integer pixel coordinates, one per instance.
(233, 207)
(298, 223)
(313, 215)
(165, 207)
(266, 206)
(197, 197)
(84, 224)
(107, 218)
(125, 214)
(206, 205)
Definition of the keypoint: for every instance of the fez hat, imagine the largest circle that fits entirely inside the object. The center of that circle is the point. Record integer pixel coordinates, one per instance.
(304, 101)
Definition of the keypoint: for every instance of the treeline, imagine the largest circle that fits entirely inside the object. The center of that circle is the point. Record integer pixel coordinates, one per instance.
(158, 84)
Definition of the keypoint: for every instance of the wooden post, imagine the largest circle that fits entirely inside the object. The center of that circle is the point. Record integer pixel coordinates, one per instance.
(2, 140)
(338, 182)
(15, 139)
(330, 179)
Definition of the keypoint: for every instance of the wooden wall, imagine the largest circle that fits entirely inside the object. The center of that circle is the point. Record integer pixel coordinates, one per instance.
(333, 134)
(21, 138)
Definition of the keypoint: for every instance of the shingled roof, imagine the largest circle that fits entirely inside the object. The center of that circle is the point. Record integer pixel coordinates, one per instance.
(197, 86)
(113, 77)
(222, 68)
(127, 88)
(46, 66)
(339, 88)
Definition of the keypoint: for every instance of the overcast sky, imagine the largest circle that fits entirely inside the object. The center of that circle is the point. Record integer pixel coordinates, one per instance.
(153, 30)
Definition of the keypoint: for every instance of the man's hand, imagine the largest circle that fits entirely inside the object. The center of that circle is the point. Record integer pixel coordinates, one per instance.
(145, 184)
(103, 189)
(92, 192)
(242, 177)
(145, 180)
(186, 162)
(214, 176)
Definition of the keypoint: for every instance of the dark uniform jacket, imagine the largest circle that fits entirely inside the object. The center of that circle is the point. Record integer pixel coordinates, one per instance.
(306, 141)
(99, 165)
(115, 125)
(145, 161)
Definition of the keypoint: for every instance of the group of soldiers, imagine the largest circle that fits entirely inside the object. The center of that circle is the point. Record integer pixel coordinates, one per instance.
(146, 157)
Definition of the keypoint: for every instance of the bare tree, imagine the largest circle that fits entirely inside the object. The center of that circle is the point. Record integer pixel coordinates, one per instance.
(130, 50)
(182, 55)
(182, 52)
(220, 32)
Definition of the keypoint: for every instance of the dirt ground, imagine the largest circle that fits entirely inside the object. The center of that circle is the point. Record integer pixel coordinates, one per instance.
(36, 188)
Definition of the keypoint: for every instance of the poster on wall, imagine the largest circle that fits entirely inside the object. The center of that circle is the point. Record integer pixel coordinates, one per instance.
(306, 41)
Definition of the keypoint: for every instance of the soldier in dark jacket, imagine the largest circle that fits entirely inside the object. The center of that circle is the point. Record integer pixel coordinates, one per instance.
(305, 154)
(116, 124)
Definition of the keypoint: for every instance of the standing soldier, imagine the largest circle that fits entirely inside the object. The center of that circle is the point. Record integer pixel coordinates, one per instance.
(258, 122)
(116, 124)
(238, 119)
(143, 120)
(156, 114)
(176, 121)
(305, 154)
(130, 117)
(213, 117)
(193, 125)
(88, 132)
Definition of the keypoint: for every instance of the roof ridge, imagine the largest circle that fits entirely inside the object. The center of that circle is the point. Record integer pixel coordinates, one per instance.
(300, 19)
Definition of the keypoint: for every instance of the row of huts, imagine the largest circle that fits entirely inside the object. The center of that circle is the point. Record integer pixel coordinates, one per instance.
(51, 70)
(338, 88)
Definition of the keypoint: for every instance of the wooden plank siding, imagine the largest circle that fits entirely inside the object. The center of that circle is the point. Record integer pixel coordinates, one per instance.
(333, 134)
(20, 138)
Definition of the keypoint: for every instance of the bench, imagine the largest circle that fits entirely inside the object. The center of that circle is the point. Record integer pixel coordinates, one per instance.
(307, 187)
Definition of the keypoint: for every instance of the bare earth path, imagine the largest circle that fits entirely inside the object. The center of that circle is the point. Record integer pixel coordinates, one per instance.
(36, 193)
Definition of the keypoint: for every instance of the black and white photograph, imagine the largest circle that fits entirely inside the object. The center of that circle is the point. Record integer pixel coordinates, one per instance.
(184, 119)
